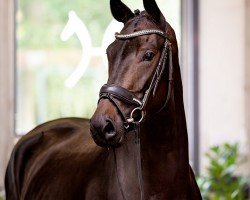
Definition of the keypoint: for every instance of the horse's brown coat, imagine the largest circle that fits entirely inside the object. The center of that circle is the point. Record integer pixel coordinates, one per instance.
(59, 159)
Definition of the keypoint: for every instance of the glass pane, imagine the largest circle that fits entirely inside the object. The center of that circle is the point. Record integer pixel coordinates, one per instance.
(61, 61)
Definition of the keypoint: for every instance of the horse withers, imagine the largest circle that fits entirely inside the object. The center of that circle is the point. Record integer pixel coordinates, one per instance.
(139, 127)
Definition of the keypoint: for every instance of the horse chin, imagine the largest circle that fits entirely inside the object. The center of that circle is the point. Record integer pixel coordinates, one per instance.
(108, 144)
(116, 142)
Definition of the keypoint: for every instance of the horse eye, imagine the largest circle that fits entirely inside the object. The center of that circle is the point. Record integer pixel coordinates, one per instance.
(148, 56)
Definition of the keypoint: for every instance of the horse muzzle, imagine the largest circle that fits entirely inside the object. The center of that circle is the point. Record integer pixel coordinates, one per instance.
(106, 127)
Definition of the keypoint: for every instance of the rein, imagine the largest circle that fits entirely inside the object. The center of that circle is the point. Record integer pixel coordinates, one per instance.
(114, 92)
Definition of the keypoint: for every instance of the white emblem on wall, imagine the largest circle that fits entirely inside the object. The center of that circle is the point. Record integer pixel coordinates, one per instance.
(76, 26)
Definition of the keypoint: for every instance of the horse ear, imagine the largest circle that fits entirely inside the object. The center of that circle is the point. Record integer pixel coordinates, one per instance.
(152, 9)
(120, 11)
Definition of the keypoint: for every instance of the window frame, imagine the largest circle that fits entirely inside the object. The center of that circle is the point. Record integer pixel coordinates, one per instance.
(190, 64)
(7, 83)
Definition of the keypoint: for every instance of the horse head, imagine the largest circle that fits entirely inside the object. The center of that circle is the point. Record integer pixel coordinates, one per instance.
(140, 75)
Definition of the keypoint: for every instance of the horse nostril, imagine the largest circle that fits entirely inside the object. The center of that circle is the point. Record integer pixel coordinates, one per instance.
(109, 127)
(109, 130)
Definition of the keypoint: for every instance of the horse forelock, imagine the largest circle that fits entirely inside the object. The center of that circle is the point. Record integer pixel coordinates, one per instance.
(140, 22)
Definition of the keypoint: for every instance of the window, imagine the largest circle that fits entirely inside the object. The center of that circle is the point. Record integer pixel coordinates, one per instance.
(61, 56)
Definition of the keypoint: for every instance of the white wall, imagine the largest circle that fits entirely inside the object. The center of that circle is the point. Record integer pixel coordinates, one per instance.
(222, 73)
(6, 84)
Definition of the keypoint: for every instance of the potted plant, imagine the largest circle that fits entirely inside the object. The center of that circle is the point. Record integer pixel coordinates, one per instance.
(221, 182)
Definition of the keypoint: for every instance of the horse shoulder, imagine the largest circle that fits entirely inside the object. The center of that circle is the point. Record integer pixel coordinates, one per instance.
(47, 153)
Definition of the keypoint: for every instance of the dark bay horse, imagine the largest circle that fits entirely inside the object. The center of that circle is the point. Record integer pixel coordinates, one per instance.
(139, 127)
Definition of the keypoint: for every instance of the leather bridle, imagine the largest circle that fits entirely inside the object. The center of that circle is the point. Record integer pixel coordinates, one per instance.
(114, 92)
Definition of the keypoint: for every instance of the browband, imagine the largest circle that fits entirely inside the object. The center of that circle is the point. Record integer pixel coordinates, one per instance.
(139, 33)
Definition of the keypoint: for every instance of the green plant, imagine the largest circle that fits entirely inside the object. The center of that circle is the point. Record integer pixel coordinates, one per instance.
(220, 182)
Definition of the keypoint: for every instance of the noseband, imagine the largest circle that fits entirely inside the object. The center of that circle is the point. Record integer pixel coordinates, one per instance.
(114, 92)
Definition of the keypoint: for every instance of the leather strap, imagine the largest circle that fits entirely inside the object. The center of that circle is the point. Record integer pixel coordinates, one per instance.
(138, 159)
(120, 93)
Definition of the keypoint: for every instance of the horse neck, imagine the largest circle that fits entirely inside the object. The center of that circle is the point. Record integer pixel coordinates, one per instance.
(126, 167)
(164, 145)
(164, 157)
(164, 151)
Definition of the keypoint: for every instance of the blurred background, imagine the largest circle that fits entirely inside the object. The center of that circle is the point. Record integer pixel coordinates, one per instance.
(53, 62)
